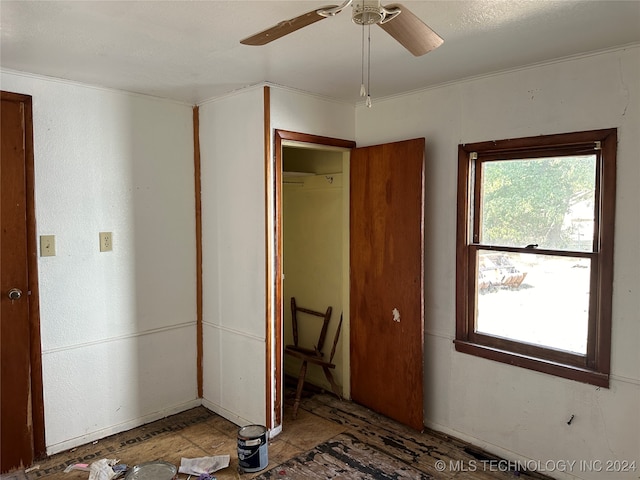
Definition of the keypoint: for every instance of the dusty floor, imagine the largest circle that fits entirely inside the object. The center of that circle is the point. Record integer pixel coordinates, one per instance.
(328, 439)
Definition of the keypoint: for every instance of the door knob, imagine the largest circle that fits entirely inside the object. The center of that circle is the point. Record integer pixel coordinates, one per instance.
(15, 293)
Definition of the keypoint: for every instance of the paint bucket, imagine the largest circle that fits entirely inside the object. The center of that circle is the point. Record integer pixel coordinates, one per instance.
(252, 448)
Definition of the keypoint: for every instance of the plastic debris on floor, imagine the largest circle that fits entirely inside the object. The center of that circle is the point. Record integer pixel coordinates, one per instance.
(203, 465)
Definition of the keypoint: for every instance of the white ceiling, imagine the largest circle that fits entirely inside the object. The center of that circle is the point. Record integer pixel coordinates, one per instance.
(190, 51)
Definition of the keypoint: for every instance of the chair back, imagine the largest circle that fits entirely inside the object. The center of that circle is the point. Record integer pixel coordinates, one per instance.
(335, 340)
(309, 314)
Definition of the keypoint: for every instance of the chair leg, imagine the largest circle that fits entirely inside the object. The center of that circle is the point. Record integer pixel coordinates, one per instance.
(301, 375)
(334, 387)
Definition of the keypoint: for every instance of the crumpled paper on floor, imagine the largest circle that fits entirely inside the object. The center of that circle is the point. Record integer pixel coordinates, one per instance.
(101, 469)
(198, 466)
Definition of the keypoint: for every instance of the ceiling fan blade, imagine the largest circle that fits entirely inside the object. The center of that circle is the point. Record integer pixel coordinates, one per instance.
(286, 27)
(411, 32)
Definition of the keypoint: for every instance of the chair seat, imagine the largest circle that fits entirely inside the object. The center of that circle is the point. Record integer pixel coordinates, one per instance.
(311, 358)
(303, 350)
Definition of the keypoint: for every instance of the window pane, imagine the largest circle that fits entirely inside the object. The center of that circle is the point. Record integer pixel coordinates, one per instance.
(545, 201)
(534, 299)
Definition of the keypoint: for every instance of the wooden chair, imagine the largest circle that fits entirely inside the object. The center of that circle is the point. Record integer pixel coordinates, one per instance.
(313, 355)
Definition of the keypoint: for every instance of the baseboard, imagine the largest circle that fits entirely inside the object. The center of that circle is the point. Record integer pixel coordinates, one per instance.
(121, 427)
(224, 413)
(494, 450)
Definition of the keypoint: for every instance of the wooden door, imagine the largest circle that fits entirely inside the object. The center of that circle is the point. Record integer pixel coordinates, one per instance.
(22, 432)
(387, 307)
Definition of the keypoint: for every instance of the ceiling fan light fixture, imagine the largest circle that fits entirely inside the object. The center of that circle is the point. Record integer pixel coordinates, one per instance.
(367, 12)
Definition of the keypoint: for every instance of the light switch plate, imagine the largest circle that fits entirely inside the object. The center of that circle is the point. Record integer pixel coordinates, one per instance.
(106, 241)
(47, 245)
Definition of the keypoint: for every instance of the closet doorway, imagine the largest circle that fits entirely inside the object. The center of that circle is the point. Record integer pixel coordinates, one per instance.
(327, 155)
(315, 263)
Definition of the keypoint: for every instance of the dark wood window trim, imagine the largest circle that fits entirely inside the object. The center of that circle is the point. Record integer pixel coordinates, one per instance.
(594, 366)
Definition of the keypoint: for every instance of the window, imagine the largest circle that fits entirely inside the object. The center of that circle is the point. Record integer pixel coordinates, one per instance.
(535, 252)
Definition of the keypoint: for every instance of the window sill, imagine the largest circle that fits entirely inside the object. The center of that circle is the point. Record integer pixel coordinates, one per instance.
(571, 372)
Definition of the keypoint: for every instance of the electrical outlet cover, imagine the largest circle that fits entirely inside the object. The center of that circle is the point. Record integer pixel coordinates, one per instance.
(106, 241)
(47, 245)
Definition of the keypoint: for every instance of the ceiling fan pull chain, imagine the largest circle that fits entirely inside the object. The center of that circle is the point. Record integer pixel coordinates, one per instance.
(363, 90)
(368, 102)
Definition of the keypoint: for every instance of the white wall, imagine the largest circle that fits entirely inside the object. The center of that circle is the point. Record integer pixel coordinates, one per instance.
(298, 112)
(233, 263)
(304, 113)
(235, 240)
(118, 328)
(518, 413)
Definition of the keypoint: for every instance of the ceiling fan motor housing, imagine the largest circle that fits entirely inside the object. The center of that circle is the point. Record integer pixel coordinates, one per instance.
(367, 12)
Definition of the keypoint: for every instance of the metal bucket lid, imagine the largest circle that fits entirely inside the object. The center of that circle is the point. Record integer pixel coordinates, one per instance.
(252, 431)
(157, 470)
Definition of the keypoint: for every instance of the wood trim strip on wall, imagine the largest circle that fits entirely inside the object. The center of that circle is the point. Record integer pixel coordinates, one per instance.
(277, 245)
(273, 400)
(198, 200)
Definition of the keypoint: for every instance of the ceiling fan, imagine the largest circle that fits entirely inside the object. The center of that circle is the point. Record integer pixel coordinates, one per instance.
(395, 19)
